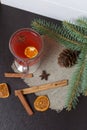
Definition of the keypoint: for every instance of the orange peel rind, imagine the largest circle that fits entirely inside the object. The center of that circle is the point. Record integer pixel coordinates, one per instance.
(41, 103)
(30, 52)
(4, 92)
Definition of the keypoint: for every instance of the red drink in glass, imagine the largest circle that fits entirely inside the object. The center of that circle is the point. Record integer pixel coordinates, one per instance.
(22, 39)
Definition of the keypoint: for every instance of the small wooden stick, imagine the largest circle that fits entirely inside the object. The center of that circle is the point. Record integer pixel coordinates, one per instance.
(24, 102)
(43, 87)
(18, 75)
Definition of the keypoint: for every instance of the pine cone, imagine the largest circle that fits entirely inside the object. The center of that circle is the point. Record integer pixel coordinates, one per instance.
(68, 58)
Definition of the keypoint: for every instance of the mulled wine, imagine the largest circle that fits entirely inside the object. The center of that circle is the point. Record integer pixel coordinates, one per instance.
(27, 46)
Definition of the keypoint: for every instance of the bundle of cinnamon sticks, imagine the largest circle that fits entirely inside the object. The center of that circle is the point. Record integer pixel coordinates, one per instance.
(35, 89)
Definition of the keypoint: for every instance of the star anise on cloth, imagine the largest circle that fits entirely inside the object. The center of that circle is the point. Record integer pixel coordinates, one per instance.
(44, 75)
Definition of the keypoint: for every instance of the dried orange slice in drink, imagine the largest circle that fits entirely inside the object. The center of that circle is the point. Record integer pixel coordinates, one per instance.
(41, 103)
(4, 92)
(30, 51)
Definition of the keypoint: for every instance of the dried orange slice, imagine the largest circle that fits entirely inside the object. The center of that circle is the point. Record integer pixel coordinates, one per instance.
(4, 92)
(30, 51)
(41, 103)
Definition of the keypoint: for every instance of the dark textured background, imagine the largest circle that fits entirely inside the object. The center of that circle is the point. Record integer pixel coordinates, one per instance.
(12, 114)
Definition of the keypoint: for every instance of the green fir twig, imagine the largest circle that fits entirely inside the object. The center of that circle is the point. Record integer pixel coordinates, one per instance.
(77, 35)
(75, 84)
(82, 22)
(56, 32)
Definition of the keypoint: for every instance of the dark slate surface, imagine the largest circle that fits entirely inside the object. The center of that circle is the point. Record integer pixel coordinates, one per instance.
(12, 114)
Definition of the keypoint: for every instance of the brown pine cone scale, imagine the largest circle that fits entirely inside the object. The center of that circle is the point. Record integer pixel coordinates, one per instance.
(68, 58)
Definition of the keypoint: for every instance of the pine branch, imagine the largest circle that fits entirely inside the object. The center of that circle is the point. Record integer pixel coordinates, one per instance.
(74, 33)
(56, 32)
(80, 29)
(75, 83)
(82, 22)
(84, 75)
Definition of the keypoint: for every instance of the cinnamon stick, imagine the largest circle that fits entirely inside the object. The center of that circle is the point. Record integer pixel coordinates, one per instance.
(24, 102)
(18, 75)
(43, 87)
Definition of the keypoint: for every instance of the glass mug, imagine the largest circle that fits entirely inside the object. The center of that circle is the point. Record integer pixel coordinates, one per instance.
(22, 44)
